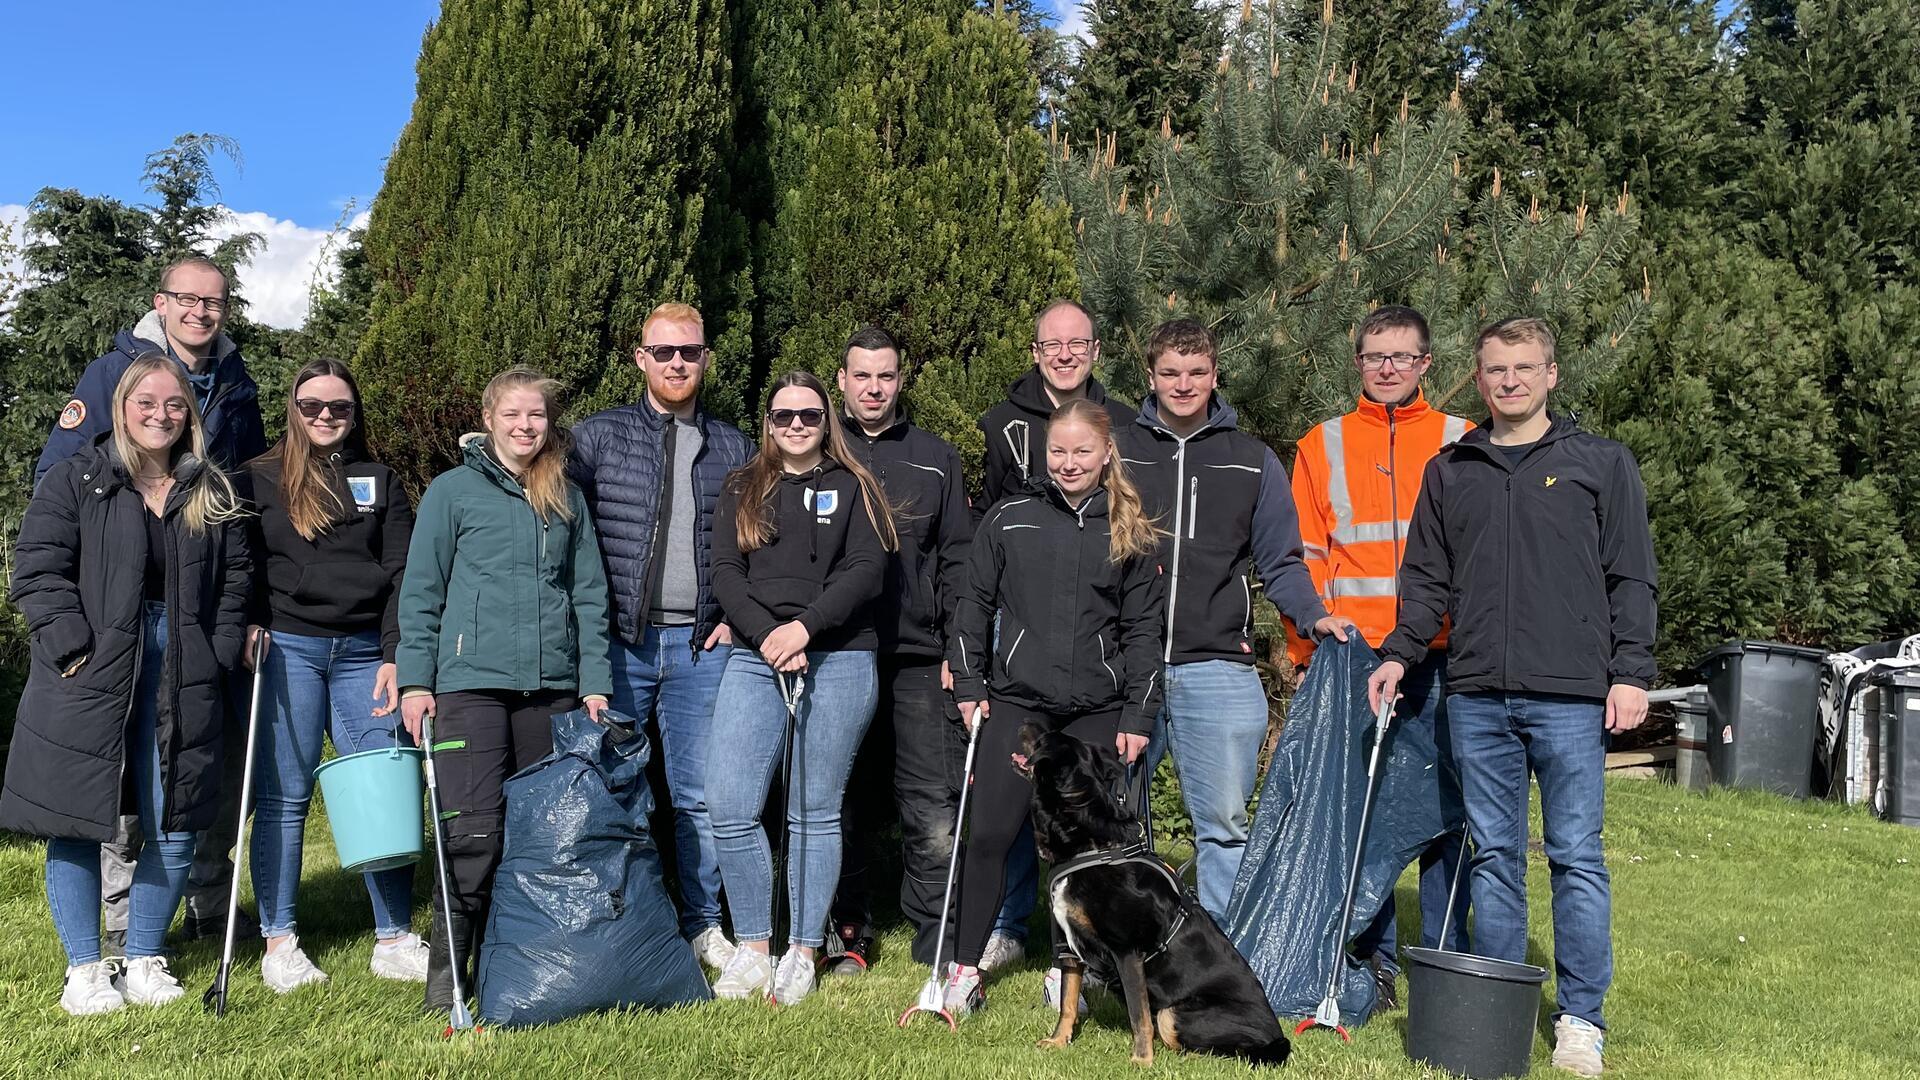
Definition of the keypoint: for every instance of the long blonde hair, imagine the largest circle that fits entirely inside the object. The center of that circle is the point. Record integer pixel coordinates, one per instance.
(545, 477)
(210, 496)
(313, 503)
(754, 482)
(1131, 533)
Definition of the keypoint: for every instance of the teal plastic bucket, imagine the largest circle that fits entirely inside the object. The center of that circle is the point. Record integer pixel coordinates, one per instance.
(373, 801)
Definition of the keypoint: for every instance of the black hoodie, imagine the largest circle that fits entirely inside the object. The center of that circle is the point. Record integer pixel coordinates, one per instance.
(345, 580)
(1546, 567)
(1078, 633)
(1016, 432)
(823, 567)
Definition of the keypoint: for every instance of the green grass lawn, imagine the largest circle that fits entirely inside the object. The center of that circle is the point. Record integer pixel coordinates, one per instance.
(1753, 937)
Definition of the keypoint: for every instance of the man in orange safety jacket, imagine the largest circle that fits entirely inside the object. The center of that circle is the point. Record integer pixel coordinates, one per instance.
(1355, 480)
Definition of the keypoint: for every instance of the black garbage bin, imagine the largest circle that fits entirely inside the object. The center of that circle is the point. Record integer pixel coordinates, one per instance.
(1900, 744)
(1763, 715)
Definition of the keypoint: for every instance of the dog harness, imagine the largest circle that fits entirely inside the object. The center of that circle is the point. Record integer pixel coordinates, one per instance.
(1140, 853)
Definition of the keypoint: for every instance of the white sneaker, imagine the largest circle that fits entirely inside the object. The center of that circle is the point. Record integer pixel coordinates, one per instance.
(1050, 992)
(287, 968)
(964, 993)
(1577, 1046)
(90, 990)
(1003, 951)
(148, 982)
(712, 947)
(747, 972)
(403, 959)
(794, 979)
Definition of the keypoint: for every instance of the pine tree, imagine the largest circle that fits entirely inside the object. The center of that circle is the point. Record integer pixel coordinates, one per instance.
(1394, 49)
(915, 203)
(1145, 61)
(558, 178)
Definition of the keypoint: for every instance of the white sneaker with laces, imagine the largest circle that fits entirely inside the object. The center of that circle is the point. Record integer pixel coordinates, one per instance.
(713, 948)
(403, 959)
(287, 968)
(148, 982)
(1003, 951)
(1050, 992)
(793, 980)
(1577, 1046)
(965, 993)
(747, 972)
(90, 990)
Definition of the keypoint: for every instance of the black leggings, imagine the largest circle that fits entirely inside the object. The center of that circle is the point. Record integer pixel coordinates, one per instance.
(1001, 802)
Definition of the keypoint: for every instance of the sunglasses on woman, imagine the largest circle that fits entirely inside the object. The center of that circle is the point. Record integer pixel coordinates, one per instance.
(809, 418)
(311, 408)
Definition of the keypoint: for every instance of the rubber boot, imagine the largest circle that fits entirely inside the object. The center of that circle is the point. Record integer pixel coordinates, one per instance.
(439, 994)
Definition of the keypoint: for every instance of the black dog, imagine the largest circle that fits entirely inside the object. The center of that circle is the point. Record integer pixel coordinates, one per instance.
(1128, 921)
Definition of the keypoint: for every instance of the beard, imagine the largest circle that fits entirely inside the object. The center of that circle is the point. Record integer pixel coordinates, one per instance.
(668, 394)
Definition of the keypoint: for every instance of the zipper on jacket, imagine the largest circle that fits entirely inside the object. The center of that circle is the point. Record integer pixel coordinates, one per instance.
(1246, 623)
(1506, 598)
(1193, 504)
(1102, 639)
(1173, 573)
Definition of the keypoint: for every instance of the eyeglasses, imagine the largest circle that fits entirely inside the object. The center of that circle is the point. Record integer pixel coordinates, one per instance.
(175, 407)
(809, 418)
(311, 408)
(1075, 346)
(1401, 361)
(214, 304)
(1523, 372)
(663, 354)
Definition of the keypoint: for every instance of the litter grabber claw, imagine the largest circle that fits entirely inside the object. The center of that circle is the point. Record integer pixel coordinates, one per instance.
(933, 995)
(1327, 1013)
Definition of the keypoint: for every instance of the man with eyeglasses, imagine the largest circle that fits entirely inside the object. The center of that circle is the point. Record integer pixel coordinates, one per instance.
(1355, 479)
(1531, 536)
(190, 307)
(1066, 345)
(651, 473)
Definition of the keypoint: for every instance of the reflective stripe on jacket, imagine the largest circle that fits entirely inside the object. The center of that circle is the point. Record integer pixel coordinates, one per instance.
(1355, 480)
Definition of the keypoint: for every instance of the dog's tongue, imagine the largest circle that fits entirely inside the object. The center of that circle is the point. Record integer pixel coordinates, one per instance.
(1019, 760)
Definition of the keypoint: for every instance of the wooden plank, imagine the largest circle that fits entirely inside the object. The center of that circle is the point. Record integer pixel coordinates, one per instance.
(1630, 759)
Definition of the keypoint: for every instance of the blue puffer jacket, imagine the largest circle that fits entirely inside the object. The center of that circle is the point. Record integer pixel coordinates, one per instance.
(618, 464)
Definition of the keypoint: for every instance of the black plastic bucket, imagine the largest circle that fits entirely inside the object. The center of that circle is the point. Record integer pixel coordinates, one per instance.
(1471, 1015)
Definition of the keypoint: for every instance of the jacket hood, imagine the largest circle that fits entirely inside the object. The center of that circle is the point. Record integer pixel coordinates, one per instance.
(105, 463)
(1029, 392)
(1219, 414)
(477, 454)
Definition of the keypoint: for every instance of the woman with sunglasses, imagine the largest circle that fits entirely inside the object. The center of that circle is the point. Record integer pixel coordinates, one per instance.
(331, 535)
(132, 570)
(799, 554)
(503, 624)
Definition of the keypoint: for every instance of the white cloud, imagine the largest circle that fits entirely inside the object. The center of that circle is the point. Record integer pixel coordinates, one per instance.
(1073, 20)
(283, 270)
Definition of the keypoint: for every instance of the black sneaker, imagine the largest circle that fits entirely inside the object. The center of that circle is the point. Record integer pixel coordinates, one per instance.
(849, 951)
(214, 927)
(1385, 983)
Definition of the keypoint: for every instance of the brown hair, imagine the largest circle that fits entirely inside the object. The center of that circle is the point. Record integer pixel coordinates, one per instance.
(753, 482)
(211, 499)
(1182, 336)
(545, 477)
(1093, 325)
(198, 262)
(1517, 330)
(1393, 317)
(313, 504)
(1131, 533)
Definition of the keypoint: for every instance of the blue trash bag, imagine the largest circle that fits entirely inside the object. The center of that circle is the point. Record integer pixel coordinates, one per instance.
(581, 920)
(1285, 909)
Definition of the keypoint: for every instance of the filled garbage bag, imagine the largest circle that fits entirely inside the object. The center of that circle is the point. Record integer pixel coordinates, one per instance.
(1285, 912)
(580, 919)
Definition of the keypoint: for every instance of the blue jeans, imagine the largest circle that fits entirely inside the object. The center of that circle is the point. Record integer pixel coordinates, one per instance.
(1424, 703)
(315, 687)
(750, 720)
(663, 678)
(1496, 739)
(160, 874)
(1215, 721)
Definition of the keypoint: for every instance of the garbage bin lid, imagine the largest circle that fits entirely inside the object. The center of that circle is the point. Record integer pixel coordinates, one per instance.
(1484, 967)
(1778, 648)
(1899, 678)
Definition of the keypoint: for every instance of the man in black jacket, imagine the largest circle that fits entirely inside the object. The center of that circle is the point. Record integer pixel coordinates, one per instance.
(1224, 502)
(914, 762)
(651, 473)
(1532, 535)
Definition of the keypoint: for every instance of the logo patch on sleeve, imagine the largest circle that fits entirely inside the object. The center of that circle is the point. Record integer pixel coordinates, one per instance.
(365, 490)
(74, 414)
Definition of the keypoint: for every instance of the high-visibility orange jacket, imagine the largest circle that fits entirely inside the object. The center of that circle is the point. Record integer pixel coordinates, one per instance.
(1355, 479)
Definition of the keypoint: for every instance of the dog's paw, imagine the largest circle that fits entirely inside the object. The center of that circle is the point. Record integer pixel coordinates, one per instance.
(1053, 1042)
(1144, 1061)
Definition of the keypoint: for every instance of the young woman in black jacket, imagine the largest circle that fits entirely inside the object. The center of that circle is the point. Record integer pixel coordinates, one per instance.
(800, 542)
(1071, 573)
(132, 570)
(331, 534)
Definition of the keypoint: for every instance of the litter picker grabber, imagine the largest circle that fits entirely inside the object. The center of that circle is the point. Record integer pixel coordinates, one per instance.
(215, 999)
(933, 997)
(790, 694)
(458, 1018)
(1327, 1014)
